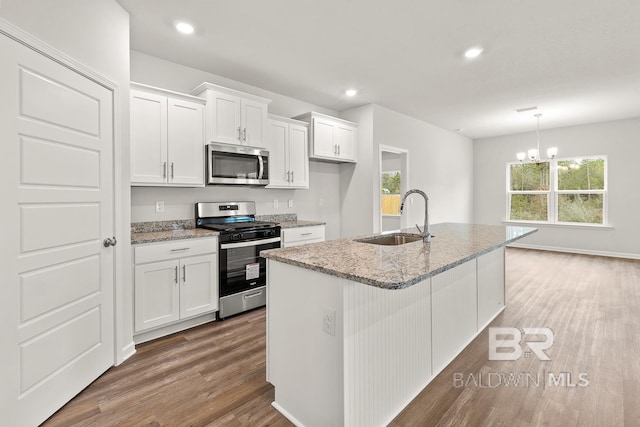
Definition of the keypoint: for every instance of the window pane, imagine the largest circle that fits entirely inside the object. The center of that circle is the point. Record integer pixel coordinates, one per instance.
(581, 174)
(585, 208)
(529, 207)
(529, 177)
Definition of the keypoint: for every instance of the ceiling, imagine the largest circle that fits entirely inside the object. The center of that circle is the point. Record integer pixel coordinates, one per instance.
(578, 61)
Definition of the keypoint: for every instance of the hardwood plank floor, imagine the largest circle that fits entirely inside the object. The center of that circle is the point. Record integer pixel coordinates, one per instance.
(214, 375)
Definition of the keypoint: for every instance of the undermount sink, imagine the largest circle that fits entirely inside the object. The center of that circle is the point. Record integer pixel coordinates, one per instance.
(394, 239)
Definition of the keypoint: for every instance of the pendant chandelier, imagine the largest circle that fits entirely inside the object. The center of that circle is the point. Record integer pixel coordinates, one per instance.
(533, 155)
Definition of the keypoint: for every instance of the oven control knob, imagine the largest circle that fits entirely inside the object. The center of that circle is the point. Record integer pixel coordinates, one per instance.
(268, 233)
(236, 236)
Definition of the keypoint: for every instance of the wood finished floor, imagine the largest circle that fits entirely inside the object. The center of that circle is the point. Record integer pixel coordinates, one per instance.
(214, 375)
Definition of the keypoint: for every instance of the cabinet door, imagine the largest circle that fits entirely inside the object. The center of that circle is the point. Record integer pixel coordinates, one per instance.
(148, 138)
(298, 156)
(324, 143)
(454, 312)
(186, 142)
(490, 286)
(199, 285)
(156, 294)
(276, 143)
(226, 124)
(346, 141)
(253, 119)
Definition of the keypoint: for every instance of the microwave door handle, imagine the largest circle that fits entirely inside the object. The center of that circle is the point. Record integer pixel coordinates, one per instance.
(261, 163)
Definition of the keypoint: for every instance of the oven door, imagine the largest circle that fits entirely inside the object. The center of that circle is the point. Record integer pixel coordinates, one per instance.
(237, 165)
(241, 267)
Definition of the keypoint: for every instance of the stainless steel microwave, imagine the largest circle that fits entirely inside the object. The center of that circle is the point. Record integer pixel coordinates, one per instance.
(237, 165)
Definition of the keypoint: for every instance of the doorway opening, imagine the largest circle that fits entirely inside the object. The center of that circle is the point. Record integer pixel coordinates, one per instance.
(393, 182)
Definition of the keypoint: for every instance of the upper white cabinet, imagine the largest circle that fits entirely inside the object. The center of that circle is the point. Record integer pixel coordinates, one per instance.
(234, 117)
(331, 138)
(167, 138)
(288, 156)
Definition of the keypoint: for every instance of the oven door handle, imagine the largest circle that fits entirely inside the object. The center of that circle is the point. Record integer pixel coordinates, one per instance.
(249, 243)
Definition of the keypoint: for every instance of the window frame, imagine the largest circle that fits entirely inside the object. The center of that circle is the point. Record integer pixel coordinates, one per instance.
(553, 194)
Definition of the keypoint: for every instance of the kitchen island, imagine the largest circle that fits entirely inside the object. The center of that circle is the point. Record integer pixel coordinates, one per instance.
(356, 330)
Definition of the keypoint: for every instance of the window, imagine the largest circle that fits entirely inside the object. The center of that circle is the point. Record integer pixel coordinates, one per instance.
(559, 191)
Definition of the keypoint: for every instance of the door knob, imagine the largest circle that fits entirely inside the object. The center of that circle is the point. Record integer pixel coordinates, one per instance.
(109, 241)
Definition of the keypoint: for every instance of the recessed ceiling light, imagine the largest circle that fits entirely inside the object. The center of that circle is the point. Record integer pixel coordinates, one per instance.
(473, 52)
(351, 92)
(184, 27)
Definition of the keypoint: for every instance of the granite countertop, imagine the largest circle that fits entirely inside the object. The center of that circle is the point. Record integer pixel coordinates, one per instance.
(166, 235)
(299, 223)
(397, 267)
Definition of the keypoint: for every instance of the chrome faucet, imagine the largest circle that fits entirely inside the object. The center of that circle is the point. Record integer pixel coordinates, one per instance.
(425, 232)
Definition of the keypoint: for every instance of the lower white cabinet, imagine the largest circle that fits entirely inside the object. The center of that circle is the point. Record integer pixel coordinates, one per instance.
(490, 286)
(174, 281)
(302, 235)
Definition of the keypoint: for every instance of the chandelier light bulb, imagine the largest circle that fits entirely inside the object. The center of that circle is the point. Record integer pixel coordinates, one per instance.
(533, 153)
(521, 156)
(552, 152)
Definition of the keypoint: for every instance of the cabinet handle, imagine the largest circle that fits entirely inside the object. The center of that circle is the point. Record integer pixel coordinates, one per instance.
(239, 137)
(338, 155)
(180, 249)
(244, 134)
(184, 274)
(171, 170)
(255, 294)
(292, 176)
(306, 234)
(335, 149)
(288, 176)
(164, 169)
(176, 274)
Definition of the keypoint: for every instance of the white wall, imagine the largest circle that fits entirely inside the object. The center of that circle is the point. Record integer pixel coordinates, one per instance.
(324, 178)
(618, 140)
(440, 164)
(94, 33)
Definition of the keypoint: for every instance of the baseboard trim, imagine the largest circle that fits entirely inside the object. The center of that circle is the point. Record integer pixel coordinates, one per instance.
(128, 351)
(575, 251)
(287, 415)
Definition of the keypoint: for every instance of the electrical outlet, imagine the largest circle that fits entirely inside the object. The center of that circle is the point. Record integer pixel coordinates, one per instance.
(290, 203)
(329, 322)
(321, 202)
(275, 203)
(159, 206)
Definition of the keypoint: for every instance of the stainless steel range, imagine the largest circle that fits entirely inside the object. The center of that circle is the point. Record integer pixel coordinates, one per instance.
(243, 273)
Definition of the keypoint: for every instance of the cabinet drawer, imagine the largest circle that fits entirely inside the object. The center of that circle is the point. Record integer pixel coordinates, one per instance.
(175, 249)
(300, 234)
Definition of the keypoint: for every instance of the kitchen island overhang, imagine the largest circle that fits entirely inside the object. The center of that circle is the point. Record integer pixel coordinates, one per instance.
(355, 331)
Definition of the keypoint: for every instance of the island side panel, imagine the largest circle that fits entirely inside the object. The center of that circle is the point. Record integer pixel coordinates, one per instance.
(491, 291)
(387, 345)
(454, 312)
(304, 363)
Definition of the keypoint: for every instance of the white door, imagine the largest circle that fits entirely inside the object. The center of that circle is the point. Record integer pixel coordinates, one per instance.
(186, 142)
(253, 119)
(324, 140)
(148, 138)
(157, 294)
(298, 158)
(56, 310)
(226, 126)
(277, 147)
(199, 285)
(346, 140)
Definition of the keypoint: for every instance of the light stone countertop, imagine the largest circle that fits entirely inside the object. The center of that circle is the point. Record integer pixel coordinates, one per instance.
(397, 267)
(168, 235)
(299, 223)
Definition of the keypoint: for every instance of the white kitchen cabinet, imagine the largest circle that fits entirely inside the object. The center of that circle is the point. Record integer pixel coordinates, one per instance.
(174, 281)
(331, 138)
(167, 138)
(302, 235)
(491, 278)
(453, 312)
(288, 155)
(233, 117)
